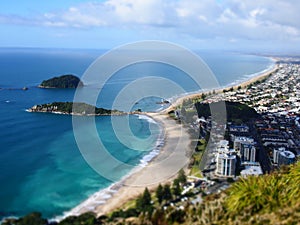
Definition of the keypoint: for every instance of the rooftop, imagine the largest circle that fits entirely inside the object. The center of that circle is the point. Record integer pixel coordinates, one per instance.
(252, 170)
(288, 154)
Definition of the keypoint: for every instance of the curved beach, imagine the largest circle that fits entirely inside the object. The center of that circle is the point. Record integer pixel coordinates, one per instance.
(172, 130)
(162, 168)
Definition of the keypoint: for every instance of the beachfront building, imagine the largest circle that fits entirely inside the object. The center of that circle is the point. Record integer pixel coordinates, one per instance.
(225, 160)
(245, 148)
(276, 152)
(251, 169)
(286, 158)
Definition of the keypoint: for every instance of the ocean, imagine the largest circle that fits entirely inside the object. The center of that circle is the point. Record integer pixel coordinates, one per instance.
(41, 166)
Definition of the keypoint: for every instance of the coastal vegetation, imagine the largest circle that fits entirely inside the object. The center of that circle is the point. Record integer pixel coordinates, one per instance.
(76, 108)
(268, 199)
(64, 81)
(236, 112)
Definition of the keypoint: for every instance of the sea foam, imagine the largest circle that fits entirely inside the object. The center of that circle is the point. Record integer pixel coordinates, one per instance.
(102, 196)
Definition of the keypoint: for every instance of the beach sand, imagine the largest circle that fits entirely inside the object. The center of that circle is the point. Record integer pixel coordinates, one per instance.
(163, 168)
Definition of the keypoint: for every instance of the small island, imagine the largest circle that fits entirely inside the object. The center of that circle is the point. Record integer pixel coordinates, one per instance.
(64, 81)
(76, 108)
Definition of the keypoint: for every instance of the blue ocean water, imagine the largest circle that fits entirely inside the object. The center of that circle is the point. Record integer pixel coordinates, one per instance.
(41, 166)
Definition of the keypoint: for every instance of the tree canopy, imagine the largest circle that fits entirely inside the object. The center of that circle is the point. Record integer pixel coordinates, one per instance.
(234, 110)
(64, 81)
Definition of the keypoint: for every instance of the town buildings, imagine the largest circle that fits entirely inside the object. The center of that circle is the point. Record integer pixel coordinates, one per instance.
(226, 160)
(277, 99)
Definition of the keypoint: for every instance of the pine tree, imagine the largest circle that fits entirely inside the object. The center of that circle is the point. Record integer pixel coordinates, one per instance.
(181, 176)
(143, 202)
(159, 193)
(176, 188)
(146, 197)
(167, 193)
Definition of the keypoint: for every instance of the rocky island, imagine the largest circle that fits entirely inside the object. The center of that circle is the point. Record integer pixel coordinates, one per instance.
(76, 108)
(64, 81)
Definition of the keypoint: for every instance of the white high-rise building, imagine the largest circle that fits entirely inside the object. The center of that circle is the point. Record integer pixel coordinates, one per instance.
(245, 147)
(226, 160)
(276, 152)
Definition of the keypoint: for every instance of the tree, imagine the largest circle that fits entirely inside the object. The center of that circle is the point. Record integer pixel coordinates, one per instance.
(167, 193)
(176, 188)
(159, 193)
(64, 81)
(177, 216)
(158, 217)
(181, 176)
(83, 219)
(34, 218)
(144, 203)
(147, 197)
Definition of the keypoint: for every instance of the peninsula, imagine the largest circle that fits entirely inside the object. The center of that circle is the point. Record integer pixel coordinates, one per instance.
(64, 81)
(76, 108)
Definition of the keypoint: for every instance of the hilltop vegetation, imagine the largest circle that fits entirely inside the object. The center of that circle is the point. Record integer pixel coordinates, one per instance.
(236, 111)
(64, 81)
(73, 108)
(268, 199)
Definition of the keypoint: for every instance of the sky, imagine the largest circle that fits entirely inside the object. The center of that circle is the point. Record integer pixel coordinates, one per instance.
(240, 25)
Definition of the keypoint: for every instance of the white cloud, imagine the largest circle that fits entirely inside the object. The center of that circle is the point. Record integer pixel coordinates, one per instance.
(137, 11)
(229, 19)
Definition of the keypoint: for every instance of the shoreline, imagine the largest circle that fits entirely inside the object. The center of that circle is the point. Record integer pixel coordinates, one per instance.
(243, 83)
(163, 168)
(148, 173)
(133, 184)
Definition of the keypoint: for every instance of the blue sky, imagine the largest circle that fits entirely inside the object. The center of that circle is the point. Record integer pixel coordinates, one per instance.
(257, 26)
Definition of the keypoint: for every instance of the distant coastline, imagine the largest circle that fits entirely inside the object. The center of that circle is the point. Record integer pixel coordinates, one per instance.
(260, 76)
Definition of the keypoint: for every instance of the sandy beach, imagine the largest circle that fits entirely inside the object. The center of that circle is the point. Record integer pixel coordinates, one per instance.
(163, 168)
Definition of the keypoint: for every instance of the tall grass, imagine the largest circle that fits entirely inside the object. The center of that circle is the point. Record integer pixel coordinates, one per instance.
(265, 193)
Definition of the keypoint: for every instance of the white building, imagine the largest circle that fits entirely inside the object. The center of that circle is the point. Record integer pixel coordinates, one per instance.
(276, 152)
(226, 160)
(285, 158)
(251, 170)
(246, 149)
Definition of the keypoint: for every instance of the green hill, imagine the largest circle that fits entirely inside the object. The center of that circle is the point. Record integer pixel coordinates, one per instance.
(236, 111)
(79, 108)
(64, 81)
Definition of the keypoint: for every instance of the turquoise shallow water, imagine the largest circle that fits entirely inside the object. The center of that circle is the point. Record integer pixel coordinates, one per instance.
(41, 166)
